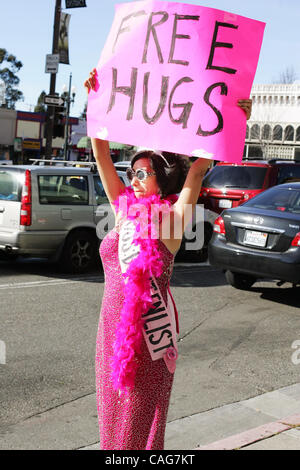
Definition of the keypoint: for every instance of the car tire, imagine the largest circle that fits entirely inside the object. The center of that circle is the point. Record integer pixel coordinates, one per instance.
(239, 281)
(79, 253)
(8, 256)
(200, 255)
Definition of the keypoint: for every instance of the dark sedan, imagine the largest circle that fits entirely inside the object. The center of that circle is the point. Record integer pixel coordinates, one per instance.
(260, 239)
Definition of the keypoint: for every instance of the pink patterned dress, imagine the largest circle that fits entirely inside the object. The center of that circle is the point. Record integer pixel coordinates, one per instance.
(136, 421)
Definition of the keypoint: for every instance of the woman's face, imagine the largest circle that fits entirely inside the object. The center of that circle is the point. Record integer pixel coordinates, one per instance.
(149, 185)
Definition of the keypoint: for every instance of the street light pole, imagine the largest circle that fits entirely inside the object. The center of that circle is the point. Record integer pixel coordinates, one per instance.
(50, 112)
(69, 100)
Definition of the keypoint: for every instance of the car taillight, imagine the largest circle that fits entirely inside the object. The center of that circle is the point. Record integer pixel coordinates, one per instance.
(25, 217)
(219, 226)
(296, 240)
(202, 193)
(249, 195)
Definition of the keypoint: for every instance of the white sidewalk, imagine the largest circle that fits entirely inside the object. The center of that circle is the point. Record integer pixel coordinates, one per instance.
(268, 421)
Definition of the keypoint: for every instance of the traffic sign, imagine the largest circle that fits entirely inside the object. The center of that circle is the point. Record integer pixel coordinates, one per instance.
(52, 61)
(54, 100)
(75, 3)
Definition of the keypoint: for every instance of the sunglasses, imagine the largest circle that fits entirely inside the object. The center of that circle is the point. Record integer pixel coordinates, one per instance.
(140, 174)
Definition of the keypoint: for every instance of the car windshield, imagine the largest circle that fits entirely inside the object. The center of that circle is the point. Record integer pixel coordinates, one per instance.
(276, 198)
(11, 185)
(246, 177)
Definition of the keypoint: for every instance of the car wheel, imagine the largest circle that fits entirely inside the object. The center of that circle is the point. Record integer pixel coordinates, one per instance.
(7, 256)
(239, 281)
(80, 252)
(200, 255)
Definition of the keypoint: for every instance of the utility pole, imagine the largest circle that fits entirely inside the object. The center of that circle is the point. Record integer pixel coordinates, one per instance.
(69, 100)
(50, 112)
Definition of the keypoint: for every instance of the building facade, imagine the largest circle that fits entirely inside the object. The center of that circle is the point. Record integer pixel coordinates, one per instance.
(22, 136)
(272, 132)
(274, 128)
(8, 119)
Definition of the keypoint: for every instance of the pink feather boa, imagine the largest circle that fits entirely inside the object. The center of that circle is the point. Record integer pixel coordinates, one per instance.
(146, 214)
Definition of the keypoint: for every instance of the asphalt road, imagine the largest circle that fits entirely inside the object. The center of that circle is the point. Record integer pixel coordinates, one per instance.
(233, 344)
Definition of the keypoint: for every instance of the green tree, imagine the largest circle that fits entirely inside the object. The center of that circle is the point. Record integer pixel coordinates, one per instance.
(40, 107)
(8, 75)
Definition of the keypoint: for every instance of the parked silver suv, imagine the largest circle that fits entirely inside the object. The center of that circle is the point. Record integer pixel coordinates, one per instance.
(52, 212)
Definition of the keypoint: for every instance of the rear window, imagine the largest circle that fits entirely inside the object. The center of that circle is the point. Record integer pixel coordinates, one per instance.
(59, 189)
(11, 185)
(288, 174)
(245, 177)
(278, 199)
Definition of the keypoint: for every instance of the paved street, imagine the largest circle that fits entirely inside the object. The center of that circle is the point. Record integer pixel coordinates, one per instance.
(234, 345)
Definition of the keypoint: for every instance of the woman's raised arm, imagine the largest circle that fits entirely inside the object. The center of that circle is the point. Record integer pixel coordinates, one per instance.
(189, 194)
(112, 184)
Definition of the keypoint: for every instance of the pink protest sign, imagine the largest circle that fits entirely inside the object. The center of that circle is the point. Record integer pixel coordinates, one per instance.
(170, 76)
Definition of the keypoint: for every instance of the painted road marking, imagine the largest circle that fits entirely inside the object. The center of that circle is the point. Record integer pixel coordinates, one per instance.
(49, 282)
(197, 267)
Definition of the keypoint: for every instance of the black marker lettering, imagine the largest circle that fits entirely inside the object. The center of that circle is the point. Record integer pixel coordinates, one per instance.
(162, 100)
(151, 29)
(164, 347)
(164, 332)
(187, 107)
(157, 295)
(154, 330)
(224, 91)
(151, 318)
(179, 36)
(159, 317)
(126, 29)
(156, 308)
(215, 44)
(126, 90)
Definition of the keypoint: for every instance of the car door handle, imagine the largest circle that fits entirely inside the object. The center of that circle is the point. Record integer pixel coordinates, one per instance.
(2, 209)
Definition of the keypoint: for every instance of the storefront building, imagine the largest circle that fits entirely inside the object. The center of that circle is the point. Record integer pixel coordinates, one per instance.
(8, 119)
(22, 136)
(29, 131)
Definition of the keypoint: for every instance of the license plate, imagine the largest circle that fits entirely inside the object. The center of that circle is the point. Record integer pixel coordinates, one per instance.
(255, 238)
(225, 203)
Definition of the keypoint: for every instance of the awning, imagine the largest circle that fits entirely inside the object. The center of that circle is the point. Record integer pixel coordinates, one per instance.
(85, 142)
(118, 146)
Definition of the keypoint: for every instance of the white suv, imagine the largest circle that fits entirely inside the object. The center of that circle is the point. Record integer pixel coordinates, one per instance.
(52, 212)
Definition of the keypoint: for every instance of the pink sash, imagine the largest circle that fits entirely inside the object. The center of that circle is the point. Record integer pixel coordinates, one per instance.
(160, 322)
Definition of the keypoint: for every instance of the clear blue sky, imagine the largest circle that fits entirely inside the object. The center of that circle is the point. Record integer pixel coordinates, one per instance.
(27, 28)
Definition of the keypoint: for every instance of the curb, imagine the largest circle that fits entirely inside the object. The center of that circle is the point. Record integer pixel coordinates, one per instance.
(246, 438)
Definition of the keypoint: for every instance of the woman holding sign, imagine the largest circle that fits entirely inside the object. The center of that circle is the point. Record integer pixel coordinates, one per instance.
(136, 343)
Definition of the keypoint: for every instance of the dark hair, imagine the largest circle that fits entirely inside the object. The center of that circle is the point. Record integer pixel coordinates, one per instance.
(170, 169)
